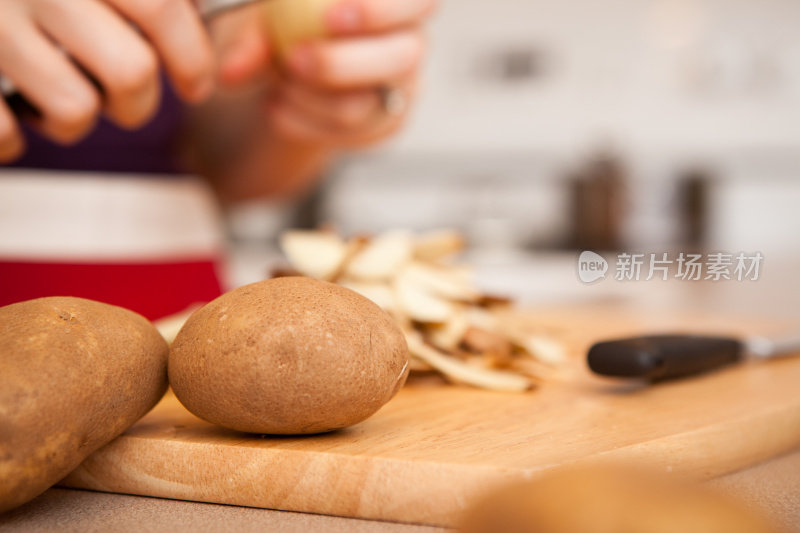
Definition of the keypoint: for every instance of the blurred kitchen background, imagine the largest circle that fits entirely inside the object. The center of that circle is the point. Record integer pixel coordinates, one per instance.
(545, 127)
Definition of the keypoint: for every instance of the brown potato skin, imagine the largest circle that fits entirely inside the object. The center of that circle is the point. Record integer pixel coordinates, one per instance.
(74, 374)
(289, 355)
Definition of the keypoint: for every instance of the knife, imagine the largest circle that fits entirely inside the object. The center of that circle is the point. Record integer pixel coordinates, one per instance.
(659, 357)
(21, 107)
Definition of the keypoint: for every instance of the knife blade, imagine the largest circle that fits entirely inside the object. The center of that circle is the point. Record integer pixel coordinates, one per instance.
(659, 357)
(210, 8)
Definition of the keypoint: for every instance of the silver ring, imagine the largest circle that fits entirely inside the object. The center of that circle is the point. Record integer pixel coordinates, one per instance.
(393, 100)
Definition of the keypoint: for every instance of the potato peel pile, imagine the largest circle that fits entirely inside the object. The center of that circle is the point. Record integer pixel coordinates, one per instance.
(451, 327)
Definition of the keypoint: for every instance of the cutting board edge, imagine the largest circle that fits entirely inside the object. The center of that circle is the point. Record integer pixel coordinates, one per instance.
(770, 433)
(319, 484)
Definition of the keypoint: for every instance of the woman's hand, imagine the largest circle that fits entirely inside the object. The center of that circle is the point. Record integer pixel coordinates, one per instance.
(336, 90)
(73, 59)
(332, 92)
(328, 94)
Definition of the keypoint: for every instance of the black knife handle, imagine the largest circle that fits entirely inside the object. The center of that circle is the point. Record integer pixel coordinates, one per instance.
(659, 357)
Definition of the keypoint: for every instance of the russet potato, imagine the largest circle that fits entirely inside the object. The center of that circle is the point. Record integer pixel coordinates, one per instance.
(289, 355)
(74, 374)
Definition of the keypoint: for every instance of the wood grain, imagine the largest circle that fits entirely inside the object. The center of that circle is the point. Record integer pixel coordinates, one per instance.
(433, 448)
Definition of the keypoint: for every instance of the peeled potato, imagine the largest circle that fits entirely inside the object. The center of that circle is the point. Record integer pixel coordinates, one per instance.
(609, 500)
(288, 355)
(74, 374)
(294, 21)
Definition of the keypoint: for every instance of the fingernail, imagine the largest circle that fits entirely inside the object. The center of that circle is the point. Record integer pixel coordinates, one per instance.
(233, 68)
(345, 17)
(301, 60)
(12, 149)
(203, 89)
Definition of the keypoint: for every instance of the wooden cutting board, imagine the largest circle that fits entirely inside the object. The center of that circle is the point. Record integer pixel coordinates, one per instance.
(433, 448)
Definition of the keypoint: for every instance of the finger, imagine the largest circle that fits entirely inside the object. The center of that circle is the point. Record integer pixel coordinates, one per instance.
(296, 125)
(11, 141)
(241, 44)
(334, 109)
(358, 63)
(175, 29)
(125, 65)
(69, 104)
(350, 17)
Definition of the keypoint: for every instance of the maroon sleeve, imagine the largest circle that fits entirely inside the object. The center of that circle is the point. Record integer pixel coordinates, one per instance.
(147, 150)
